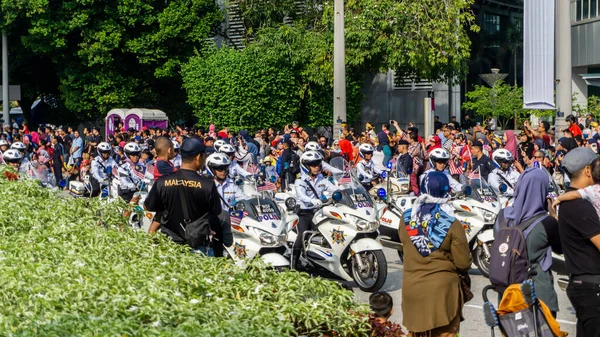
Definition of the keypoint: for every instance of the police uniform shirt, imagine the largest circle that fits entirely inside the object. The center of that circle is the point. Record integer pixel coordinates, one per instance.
(455, 186)
(236, 170)
(305, 194)
(230, 193)
(511, 177)
(100, 166)
(128, 180)
(199, 193)
(366, 169)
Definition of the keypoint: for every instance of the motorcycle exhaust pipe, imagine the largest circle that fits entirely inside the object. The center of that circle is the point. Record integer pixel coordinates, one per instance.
(391, 244)
(563, 283)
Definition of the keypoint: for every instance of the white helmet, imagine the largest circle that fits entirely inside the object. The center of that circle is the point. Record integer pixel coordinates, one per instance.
(176, 145)
(18, 146)
(438, 156)
(104, 147)
(365, 149)
(3, 142)
(310, 158)
(312, 146)
(502, 156)
(218, 143)
(132, 149)
(217, 160)
(227, 149)
(12, 156)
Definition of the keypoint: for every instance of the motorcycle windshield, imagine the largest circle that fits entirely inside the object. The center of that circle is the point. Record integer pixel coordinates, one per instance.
(480, 190)
(356, 198)
(262, 209)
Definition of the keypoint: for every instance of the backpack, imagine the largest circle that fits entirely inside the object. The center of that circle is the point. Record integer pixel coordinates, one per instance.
(295, 163)
(509, 261)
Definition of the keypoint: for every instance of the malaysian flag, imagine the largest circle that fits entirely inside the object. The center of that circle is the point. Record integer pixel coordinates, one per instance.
(253, 169)
(474, 175)
(236, 217)
(268, 186)
(115, 172)
(345, 180)
(139, 171)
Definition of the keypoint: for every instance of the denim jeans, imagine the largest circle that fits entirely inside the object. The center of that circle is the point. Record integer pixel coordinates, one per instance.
(585, 298)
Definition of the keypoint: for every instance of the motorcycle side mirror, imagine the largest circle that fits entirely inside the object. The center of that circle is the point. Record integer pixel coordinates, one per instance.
(273, 179)
(503, 188)
(239, 182)
(381, 193)
(468, 190)
(290, 204)
(323, 198)
(337, 196)
(361, 177)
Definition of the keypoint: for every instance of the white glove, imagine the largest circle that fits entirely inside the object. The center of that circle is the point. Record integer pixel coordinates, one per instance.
(316, 203)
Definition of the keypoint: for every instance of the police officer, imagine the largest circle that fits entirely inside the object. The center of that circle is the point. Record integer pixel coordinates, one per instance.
(366, 168)
(234, 169)
(128, 180)
(13, 158)
(199, 194)
(3, 146)
(102, 168)
(309, 189)
(505, 173)
(217, 165)
(439, 158)
(314, 146)
(177, 160)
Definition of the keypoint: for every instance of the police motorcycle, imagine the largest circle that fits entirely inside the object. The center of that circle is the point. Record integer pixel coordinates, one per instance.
(140, 218)
(343, 239)
(393, 198)
(259, 227)
(477, 210)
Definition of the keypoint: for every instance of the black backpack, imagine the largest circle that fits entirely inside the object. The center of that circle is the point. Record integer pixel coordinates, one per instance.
(509, 261)
(295, 163)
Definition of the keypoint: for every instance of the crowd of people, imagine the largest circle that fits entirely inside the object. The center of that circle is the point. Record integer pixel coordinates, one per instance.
(512, 162)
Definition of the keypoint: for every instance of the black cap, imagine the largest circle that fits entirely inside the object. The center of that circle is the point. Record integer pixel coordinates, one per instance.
(192, 147)
(288, 142)
(209, 139)
(413, 129)
(477, 143)
(403, 142)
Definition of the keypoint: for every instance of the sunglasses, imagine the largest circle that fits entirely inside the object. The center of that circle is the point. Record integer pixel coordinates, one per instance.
(539, 157)
(221, 168)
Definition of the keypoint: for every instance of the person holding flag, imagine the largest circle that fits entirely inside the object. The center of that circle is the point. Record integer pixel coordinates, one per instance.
(103, 167)
(129, 176)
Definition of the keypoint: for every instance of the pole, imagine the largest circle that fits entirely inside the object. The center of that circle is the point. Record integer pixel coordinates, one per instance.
(339, 69)
(563, 64)
(5, 106)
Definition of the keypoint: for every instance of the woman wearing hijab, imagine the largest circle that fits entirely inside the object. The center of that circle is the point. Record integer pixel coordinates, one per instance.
(510, 143)
(530, 202)
(435, 250)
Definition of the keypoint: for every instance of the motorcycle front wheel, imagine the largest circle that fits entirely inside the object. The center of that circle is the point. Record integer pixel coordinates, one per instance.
(482, 260)
(373, 274)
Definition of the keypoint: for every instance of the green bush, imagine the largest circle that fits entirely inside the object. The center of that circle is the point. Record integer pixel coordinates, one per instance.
(71, 267)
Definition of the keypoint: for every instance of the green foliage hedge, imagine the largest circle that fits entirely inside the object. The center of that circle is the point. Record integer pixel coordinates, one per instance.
(71, 267)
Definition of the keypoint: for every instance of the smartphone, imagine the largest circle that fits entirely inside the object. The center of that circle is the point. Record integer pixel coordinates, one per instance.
(391, 121)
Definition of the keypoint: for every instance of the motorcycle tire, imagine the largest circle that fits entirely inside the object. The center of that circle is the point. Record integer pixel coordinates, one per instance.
(481, 261)
(377, 260)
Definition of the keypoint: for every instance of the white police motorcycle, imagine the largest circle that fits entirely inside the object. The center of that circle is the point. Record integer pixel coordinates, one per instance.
(344, 238)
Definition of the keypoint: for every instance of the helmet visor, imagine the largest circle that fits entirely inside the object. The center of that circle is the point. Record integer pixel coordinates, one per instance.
(220, 168)
(441, 161)
(314, 163)
(366, 152)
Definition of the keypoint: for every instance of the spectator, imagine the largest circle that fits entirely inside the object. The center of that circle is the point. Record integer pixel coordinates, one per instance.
(437, 125)
(541, 132)
(76, 148)
(579, 229)
(480, 161)
(384, 143)
(454, 123)
(435, 250)
(468, 123)
(382, 305)
(529, 206)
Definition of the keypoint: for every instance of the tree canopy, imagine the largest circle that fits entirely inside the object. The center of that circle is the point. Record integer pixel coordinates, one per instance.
(107, 54)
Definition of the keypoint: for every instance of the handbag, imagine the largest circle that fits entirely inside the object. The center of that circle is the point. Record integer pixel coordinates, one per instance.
(197, 232)
(465, 285)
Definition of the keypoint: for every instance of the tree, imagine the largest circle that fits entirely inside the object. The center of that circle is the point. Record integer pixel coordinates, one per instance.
(242, 89)
(501, 101)
(107, 54)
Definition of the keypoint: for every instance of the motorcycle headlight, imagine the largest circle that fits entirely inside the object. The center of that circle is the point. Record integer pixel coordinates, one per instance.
(487, 215)
(363, 225)
(404, 188)
(268, 239)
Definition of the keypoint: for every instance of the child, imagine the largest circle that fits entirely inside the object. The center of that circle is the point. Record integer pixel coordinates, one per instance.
(382, 305)
(165, 151)
(590, 193)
